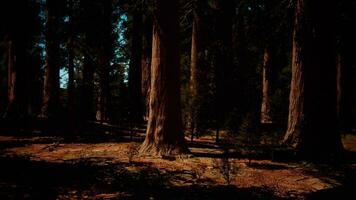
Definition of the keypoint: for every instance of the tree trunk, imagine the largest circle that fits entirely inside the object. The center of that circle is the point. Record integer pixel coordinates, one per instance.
(105, 56)
(312, 123)
(266, 68)
(17, 61)
(223, 62)
(193, 77)
(50, 106)
(71, 87)
(135, 73)
(87, 97)
(146, 64)
(164, 134)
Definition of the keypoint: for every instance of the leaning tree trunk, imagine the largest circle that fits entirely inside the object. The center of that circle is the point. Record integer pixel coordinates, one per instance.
(312, 123)
(164, 134)
(265, 107)
(51, 80)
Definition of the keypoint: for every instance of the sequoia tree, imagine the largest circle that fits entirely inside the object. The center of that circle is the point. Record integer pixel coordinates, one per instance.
(312, 121)
(164, 134)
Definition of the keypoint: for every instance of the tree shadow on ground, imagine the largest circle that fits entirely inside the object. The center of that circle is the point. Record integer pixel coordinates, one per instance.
(21, 178)
(343, 171)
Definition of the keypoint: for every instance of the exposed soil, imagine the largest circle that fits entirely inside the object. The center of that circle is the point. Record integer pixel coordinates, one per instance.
(44, 167)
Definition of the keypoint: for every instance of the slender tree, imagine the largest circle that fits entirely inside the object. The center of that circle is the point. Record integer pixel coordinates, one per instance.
(164, 130)
(312, 123)
(266, 70)
(70, 50)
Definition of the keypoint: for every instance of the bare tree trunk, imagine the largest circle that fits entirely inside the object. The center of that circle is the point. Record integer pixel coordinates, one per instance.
(312, 122)
(105, 56)
(193, 77)
(11, 77)
(50, 106)
(164, 134)
(265, 108)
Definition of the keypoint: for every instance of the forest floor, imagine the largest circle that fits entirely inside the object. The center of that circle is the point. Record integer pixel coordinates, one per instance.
(53, 167)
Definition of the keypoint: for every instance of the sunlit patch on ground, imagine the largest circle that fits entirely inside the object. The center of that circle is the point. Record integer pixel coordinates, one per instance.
(110, 169)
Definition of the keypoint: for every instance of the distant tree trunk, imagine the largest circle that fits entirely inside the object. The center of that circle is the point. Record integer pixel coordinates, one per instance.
(17, 94)
(50, 106)
(266, 68)
(105, 56)
(11, 77)
(196, 74)
(193, 77)
(17, 61)
(71, 87)
(135, 71)
(223, 62)
(88, 89)
(165, 134)
(345, 88)
(312, 123)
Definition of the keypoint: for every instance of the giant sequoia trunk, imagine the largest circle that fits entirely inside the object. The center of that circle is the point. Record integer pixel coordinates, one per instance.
(51, 79)
(312, 123)
(164, 134)
(265, 107)
(135, 73)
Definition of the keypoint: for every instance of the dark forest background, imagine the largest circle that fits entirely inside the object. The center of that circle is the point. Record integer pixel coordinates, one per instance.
(81, 61)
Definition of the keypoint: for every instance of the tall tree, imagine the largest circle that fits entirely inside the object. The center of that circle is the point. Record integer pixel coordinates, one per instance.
(223, 65)
(105, 51)
(88, 18)
(17, 58)
(70, 51)
(135, 71)
(197, 70)
(164, 130)
(50, 105)
(266, 70)
(193, 76)
(312, 123)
